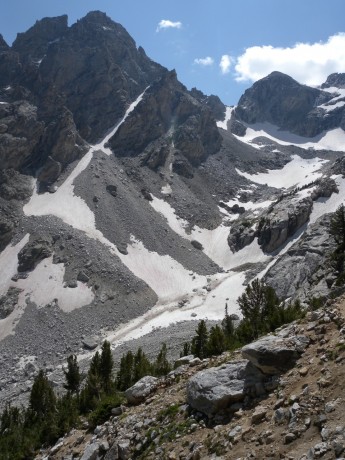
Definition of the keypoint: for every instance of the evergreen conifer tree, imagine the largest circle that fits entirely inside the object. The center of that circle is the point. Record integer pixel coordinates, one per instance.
(142, 365)
(162, 365)
(72, 375)
(199, 341)
(125, 375)
(216, 343)
(106, 367)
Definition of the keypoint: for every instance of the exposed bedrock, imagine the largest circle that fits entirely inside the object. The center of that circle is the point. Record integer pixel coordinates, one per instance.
(282, 101)
(167, 110)
(302, 271)
(283, 221)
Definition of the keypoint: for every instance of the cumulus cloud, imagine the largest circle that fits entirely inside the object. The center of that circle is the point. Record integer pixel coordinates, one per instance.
(308, 63)
(167, 24)
(207, 61)
(225, 64)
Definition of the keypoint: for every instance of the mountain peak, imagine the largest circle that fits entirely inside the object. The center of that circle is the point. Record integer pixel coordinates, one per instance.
(35, 41)
(334, 80)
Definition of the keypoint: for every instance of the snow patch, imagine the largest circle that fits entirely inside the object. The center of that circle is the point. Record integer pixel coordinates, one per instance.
(224, 124)
(326, 205)
(166, 189)
(9, 263)
(297, 172)
(328, 140)
(46, 284)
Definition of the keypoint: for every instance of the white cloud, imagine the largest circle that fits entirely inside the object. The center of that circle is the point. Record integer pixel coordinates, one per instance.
(204, 61)
(167, 24)
(225, 63)
(307, 63)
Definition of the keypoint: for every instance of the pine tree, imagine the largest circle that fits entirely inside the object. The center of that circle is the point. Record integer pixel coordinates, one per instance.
(72, 375)
(228, 327)
(94, 381)
(162, 365)
(216, 343)
(186, 349)
(125, 375)
(199, 341)
(42, 401)
(252, 304)
(142, 365)
(106, 367)
(337, 231)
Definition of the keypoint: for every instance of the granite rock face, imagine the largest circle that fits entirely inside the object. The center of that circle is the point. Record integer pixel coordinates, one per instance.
(168, 111)
(280, 100)
(302, 270)
(283, 221)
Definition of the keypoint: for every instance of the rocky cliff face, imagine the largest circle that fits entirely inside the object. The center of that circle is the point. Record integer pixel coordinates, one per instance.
(168, 111)
(282, 101)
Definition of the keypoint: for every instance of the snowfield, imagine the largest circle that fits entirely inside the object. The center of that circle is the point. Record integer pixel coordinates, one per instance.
(328, 140)
(296, 173)
(224, 124)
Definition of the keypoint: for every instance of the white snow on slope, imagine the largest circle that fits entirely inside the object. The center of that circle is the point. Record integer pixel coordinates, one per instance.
(325, 205)
(250, 205)
(214, 241)
(8, 268)
(224, 124)
(168, 278)
(42, 286)
(328, 140)
(9, 263)
(297, 172)
(209, 306)
(45, 283)
(334, 103)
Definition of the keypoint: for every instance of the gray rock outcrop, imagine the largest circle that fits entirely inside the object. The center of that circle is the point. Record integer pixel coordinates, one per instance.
(32, 253)
(282, 221)
(275, 354)
(282, 101)
(167, 110)
(141, 389)
(301, 271)
(215, 390)
(241, 235)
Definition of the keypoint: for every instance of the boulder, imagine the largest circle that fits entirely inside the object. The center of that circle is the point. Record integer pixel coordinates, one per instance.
(241, 234)
(91, 452)
(216, 389)
(275, 354)
(89, 343)
(32, 253)
(184, 360)
(141, 390)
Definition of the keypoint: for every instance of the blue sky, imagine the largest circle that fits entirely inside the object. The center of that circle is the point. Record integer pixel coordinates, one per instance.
(305, 38)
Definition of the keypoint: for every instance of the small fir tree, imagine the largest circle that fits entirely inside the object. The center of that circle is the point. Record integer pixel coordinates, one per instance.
(162, 365)
(72, 375)
(199, 341)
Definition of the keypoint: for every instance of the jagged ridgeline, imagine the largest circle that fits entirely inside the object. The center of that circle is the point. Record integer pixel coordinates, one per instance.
(132, 207)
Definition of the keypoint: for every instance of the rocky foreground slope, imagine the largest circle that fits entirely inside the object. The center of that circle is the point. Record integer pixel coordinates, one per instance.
(281, 397)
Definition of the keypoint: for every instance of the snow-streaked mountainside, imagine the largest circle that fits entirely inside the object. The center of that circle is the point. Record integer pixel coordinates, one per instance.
(129, 203)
